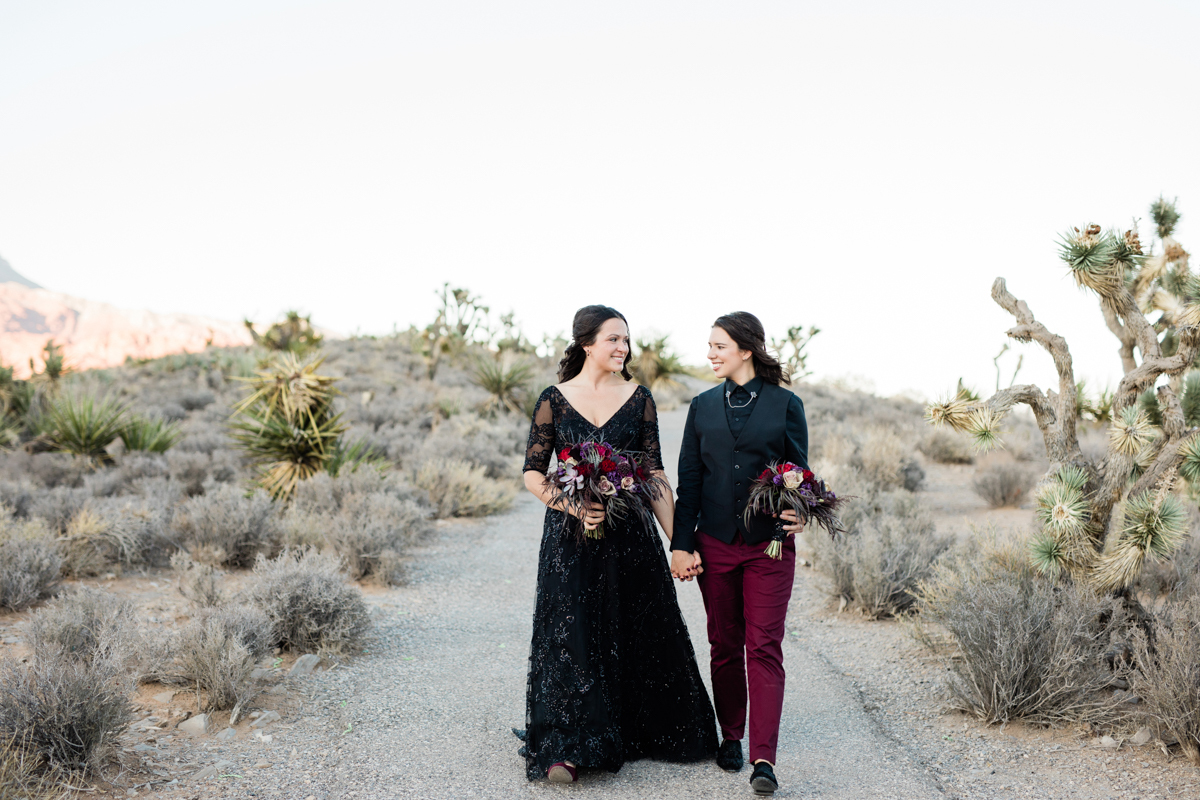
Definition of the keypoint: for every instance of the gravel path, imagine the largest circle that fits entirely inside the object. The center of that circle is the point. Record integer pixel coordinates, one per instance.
(426, 713)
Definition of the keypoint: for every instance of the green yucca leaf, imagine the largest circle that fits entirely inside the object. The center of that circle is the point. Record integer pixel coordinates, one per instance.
(83, 426)
(1047, 555)
(1148, 403)
(1165, 216)
(505, 384)
(1072, 476)
(1091, 256)
(150, 434)
(1189, 467)
(1153, 530)
(656, 366)
(954, 412)
(350, 458)
(1190, 399)
(1130, 431)
(983, 424)
(1063, 511)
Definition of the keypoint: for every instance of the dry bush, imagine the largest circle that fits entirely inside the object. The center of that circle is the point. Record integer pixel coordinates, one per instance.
(225, 527)
(58, 506)
(200, 583)
(23, 775)
(1003, 483)
(30, 563)
(86, 625)
(947, 447)
(496, 444)
(1165, 674)
(1021, 647)
(92, 544)
(880, 455)
(890, 547)
(17, 496)
(456, 489)
(306, 596)
(216, 652)
(68, 712)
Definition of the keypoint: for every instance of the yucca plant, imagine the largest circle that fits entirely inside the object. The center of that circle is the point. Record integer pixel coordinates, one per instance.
(287, 424)
(506, 384)
(350, 458)
(83, 425)
(295, 334)
(150, 434)
(1100, 522)
(657, 367)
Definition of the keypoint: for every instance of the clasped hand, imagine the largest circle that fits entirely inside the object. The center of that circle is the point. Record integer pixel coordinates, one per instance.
(592, 516)
(685, 565)
(794, 525)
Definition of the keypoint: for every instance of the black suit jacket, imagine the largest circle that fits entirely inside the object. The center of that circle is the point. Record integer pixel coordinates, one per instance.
(715, 470)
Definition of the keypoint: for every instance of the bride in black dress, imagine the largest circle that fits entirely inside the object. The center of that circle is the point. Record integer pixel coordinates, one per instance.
(612, 673)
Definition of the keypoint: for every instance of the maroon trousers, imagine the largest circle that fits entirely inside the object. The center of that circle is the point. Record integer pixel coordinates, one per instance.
(746, 596)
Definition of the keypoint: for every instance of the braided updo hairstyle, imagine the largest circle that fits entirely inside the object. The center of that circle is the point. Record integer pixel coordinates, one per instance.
(748, 333)
(584, 330)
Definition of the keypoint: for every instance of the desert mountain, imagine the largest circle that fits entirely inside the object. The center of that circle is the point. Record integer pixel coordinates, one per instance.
(93, 334)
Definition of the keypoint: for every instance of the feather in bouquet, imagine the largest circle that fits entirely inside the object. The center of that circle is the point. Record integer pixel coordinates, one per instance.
(786, 486)
(595, 472)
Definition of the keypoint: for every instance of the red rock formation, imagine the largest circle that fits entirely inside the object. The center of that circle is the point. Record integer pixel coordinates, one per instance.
(96, 335)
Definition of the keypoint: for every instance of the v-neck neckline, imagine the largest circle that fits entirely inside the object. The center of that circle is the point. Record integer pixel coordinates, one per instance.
(579, 413)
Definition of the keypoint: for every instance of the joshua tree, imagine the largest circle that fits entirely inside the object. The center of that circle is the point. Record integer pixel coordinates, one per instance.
(294, 335)
(657, 367)
(791, 350)
(1101, 521)
(460, 318)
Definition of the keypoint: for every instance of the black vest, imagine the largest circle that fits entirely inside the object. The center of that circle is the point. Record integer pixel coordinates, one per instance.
(730, 465)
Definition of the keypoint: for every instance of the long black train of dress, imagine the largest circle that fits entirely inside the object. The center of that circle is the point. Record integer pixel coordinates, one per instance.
(612, 672)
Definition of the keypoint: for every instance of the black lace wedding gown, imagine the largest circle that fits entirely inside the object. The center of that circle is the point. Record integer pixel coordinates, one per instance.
(612, 673)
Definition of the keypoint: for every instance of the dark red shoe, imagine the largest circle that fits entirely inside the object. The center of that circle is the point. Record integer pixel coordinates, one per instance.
(562, 772)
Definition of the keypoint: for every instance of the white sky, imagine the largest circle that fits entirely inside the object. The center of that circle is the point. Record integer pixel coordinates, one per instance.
(866, 167)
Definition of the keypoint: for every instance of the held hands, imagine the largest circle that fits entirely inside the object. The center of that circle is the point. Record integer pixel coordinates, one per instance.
(684, 565)
(794, 525)
(592, 516)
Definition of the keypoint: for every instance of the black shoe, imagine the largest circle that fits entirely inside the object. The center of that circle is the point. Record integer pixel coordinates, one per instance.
(729, 755)
(519, 733)
(763, 780)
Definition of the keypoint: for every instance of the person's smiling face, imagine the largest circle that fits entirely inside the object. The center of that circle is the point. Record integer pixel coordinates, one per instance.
(611, 347)
(724, 354)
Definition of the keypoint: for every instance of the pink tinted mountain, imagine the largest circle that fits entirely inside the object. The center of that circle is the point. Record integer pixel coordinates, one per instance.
(93, 334)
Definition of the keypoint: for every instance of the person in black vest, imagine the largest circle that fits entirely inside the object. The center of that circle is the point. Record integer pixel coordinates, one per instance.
(733, 431)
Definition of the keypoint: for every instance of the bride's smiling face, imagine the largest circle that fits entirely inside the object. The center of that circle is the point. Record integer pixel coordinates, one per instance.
(724, 355)
(611, 346)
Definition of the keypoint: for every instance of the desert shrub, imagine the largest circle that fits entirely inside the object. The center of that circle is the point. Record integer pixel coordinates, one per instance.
(1165, 674)
(200, 583)
(497, 445)
(202, 441)
(505, 383)
(66, 711)
(1178, 576)
(881, 454)
(1022, 647)
(190, 470)
(196, 401)
(149, 434)
(91, 544)
(225, 527)
(58, 506)
(30, 563)
(16, 497)
(86, 625)
(1002, 483)
(217, 651)
(947, 447)
(43, 469)
(172, 412)
(456, 489)
(890, 547)
(306, 596)
(22, 773)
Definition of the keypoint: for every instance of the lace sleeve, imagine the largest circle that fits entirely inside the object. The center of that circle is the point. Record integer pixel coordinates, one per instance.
(541, 437)
(650, 443)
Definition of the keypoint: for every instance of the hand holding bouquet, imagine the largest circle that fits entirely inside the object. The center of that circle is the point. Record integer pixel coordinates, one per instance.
(594, 472)
(783, 487)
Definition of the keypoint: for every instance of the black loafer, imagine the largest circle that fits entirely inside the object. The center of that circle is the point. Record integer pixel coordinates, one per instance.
(763, 780)
(729, 755)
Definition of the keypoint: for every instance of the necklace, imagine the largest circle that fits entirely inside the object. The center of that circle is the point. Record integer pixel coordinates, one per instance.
(743, 405)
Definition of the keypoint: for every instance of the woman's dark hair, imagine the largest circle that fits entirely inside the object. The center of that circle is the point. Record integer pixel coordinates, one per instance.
(748, 334)
(584, 330)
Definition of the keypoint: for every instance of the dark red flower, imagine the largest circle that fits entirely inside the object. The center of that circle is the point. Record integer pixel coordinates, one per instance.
(584, 469)
(564, 454)
(640, 472)
(607, 465)
(808, 476)
(766, 473)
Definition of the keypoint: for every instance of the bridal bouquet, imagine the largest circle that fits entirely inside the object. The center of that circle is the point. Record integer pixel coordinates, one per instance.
(595, 472)
(786, 486)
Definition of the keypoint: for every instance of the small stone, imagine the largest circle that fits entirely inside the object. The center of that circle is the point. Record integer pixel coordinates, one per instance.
(263, 765)
(204, 774)
(227, 735)
(224, 765)
(1109, 743)
(295, 754)
(265, 738)
(255, 714)
(144, 748)
(164, 697)
(266, 719)
(304, 665)
(262, 674)
(1142, 737)
(197, 724)
(278, 688)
